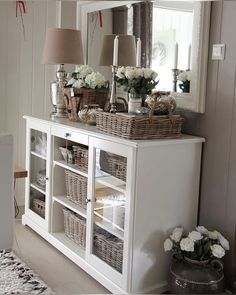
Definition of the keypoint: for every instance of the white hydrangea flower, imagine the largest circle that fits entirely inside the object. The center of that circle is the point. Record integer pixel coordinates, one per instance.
(187, 244)
(213, 235)
(195, 235)
(83, 71)
(120, 72)
(217, 251)
(79, 84)
(202, 230)
(168, 245)
(224, 243)
(95, 80)
(177, 234)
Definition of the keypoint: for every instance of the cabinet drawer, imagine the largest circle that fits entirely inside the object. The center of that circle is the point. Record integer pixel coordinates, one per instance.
(70, 135)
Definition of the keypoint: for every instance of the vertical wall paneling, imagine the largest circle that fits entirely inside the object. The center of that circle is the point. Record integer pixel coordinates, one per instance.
(3, 67)
(24, 81)
(13, 86)
(38, 72)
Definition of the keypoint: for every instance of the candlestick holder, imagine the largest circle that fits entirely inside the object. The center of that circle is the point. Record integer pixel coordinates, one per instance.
(175, 73)
(113, 91)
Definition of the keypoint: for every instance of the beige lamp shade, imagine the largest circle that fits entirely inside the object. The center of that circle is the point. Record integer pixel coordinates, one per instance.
(63, 46)
(126, 50)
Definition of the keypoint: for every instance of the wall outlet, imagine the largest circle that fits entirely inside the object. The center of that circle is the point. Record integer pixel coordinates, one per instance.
(218, 51)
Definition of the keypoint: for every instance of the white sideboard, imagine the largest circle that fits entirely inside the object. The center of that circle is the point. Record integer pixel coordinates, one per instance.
(160, 191)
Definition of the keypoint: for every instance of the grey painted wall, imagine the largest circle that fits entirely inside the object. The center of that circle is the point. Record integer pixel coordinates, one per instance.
(218, 126)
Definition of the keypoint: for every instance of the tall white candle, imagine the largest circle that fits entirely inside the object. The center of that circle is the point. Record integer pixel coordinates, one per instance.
(138, 53)
(176, 55)
(189, 57)
(115, 51)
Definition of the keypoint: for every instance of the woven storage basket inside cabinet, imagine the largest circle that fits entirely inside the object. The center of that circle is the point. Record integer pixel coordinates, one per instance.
(75, 227)
(113, 164)
(109, 249)
(81, 156)
(139, 127)
(76, 188)
(39, 206)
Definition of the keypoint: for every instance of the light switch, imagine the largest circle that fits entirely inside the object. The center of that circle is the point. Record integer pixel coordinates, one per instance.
(218, 51)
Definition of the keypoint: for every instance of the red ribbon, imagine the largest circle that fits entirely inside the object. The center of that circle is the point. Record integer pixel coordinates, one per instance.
(22, 6)
(100, 18)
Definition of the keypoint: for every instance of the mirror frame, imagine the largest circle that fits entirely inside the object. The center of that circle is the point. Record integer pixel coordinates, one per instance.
(195, 100)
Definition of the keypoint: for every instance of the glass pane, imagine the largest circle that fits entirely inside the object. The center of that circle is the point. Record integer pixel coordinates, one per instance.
(109, 208)
(38, 173)
(39, 142)
(37, 202)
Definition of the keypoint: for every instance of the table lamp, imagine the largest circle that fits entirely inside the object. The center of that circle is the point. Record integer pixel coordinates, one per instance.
(62, 46)
(117, 50)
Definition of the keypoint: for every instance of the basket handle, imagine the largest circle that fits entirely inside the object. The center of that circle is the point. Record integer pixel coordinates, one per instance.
(155, 104)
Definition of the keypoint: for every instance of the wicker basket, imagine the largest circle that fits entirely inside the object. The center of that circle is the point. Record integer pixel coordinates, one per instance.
(113, 164)
(91, 96)
(109, 249)
(75, 227)
(81, 156)
(39, 206)
(76, 188)
(139, 127)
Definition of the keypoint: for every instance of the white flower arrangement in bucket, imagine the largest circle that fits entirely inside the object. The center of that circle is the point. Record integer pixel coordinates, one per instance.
(200, 244)
(184, 77)
(196, 265)
(84, 76)
(138, 82)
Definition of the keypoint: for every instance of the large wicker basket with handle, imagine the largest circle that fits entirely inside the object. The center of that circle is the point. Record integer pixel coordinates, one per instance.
(140, 126)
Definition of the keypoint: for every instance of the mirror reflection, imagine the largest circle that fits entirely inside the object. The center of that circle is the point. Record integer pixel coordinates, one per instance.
(165, 29)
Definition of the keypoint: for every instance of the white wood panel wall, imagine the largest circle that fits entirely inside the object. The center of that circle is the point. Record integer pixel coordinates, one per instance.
(24, 81)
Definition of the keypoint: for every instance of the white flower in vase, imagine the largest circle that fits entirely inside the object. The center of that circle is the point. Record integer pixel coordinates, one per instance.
(177, 234)
(224, 243)
(202, 230)
(213, 235)
(217, 251)
(95, 80)
(187, 244)
(168, 245)
(78, 84)
(121, 73)
(195, 235)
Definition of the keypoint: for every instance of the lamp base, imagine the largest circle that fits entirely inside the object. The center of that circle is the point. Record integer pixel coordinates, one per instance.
(57, 94)
(60, 114)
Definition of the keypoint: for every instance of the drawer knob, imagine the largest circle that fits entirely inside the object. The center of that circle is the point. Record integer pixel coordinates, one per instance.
(88, 200)
(67, 135)
(47, 178)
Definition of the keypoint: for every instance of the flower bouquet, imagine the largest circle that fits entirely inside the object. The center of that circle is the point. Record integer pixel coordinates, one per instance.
(85, 77)
(184, 77)
(200, 244)
(138, 82)
(90, 86)
(196, 265)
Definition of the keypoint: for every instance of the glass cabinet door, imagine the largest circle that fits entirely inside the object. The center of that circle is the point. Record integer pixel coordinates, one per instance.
(110, 196)
(37, 187)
